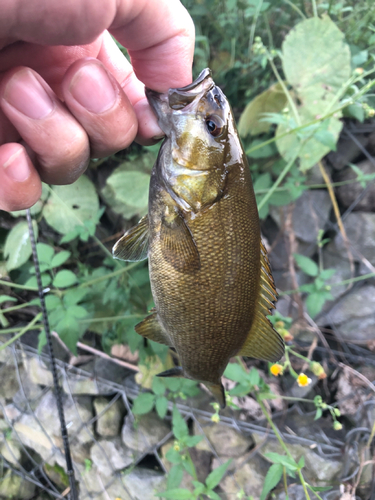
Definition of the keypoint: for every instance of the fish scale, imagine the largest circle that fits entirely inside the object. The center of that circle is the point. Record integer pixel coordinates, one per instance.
(210, 276)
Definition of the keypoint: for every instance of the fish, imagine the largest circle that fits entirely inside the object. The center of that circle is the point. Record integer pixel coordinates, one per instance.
(210, 275)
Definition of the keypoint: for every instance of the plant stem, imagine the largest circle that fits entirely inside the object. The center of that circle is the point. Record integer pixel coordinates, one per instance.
(15, 285)
(14, 308)
(315, 10)
(344, 282)
(110, 318)
(286, 169)
(24, 330)
(108, 276)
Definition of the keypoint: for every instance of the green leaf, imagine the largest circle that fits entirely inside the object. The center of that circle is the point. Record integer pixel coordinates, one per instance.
(74, 295)
(315, 303)
(143, 403)
(319, 413)
(301, 462)
(45, 253)
(180, 428)
(71, 205)
(46, 280)
(213, 495)
(320, 488)
(52, 302)
(17, 248)
(264, 181)
(327, 273)
(253, 376)
(271, 480)
(176, 494)
(355, 111)
(306, 265)
(191, 441)
(69, 332)
(261, 152)
(64, 279)
(173, 456)
(189, 466)
(158, 386)
(326, 138)
(214, 478)
(235, 372)
(130, 187)
(78, 312)
(7, 298)
(175, 476)
(60, 258)
(272, 100)
(282, 459)
(161, 406)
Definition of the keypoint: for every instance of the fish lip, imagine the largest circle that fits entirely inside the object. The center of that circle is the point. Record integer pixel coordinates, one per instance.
(205, 74)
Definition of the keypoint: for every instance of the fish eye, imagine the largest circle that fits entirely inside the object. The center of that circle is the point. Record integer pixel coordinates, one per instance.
(214, 125)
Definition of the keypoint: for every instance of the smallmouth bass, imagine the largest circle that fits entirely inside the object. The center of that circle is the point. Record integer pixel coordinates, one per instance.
(210, 276)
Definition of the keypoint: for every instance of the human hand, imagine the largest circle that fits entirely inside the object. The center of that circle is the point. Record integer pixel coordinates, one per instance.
(66, 91)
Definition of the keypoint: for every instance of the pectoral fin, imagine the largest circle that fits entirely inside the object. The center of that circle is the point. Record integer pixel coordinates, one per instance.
(263, 341)
(172, 372)
(151, 329)
(178, 245)
(133, 246)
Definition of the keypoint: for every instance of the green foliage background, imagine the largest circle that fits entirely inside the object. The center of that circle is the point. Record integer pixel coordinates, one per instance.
(291, 71)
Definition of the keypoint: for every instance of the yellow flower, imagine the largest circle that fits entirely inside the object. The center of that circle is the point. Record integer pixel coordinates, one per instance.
(276, 369)
(303, 380)
(176, 446)
(215, 418)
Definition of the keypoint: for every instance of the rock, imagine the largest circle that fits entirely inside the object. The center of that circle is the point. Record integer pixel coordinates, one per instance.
(318, 471)
(100, 368)
(37, 371)
(360, 230)
(31, 435)
(12, 413)
(13, 486)
(11, 450)
(349, 396)
(78, 412)
(295, 492)
(353, 315)
(110, 455)
(333, 260)
(28, 395)
(246, 475)
(57, 475)
(109, 423)
(9, 381)
(225, 440)
(310, 214)
(349, 193)
(347, 151)
(147, 432)
(142, 484)
(202, 460)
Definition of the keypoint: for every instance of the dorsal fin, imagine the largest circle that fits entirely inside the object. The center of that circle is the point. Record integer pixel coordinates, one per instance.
(133, 246)
(263, 341)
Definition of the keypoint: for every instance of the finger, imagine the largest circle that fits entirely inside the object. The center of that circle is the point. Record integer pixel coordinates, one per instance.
(60, 143)
(98, 102)
(122, 70)
(20, 185)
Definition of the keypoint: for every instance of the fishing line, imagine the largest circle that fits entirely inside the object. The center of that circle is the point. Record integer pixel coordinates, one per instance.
(69, 465)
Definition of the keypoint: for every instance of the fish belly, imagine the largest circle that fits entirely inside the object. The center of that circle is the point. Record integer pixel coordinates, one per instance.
(207, 313)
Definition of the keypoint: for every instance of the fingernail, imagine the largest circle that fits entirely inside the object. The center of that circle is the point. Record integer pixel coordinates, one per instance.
(93, 89)
(17, 166)
(25, 93)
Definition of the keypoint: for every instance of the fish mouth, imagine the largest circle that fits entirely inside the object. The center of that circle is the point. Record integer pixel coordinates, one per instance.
(179, 98)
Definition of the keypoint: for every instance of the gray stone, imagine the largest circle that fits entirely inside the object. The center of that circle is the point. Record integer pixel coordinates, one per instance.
(334, 260)
(295, 492)
(142, 484)
(310, 214)
(145, 434)
(112, 414)
(32, 436)
(225, 440)
(246, 475)
(360, 230)
(11, 450)
(28, 395)
(318, 471)
(78, 414)
(348, 193)
(354, 314)
(13, 486)
(110, 455)
(347, 151)
(9, 381)
(37, 371)
(12, 413)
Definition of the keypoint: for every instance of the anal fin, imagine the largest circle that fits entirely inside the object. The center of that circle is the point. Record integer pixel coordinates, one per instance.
(133, 246)
(263, 341)
(151, 329)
